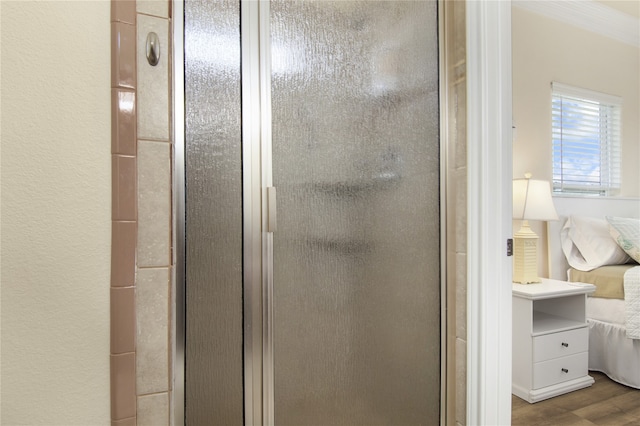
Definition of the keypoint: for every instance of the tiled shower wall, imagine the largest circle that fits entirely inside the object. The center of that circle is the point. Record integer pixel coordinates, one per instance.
(456, 196)
(142, 258)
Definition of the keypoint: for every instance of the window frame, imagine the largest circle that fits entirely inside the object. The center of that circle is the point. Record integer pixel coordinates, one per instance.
(570, 147)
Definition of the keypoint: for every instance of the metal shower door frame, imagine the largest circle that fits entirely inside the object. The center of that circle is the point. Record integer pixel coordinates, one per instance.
(258, 242)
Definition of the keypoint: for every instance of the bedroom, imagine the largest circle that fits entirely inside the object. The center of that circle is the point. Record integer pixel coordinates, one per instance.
(547, 49)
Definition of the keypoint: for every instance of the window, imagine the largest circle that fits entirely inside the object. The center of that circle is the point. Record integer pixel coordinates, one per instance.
(586, 141)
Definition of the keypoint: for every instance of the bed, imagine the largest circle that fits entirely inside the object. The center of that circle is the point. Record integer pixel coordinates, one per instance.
(614, 323)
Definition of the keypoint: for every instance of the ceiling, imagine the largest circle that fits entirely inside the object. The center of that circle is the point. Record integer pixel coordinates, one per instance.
(630, 7)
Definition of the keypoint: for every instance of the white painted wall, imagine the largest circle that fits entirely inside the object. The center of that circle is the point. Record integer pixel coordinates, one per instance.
(56, 204)
(546, 50)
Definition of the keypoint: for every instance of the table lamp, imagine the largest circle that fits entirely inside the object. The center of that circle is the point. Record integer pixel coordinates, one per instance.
(531, 201)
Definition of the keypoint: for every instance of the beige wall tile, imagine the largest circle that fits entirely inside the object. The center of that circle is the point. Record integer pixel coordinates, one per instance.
(461, 295)
(153, 81)
(461, 125)
(123, 11)
(123, 320)
(461, 381)
(153, 410)
(154, 204)
(152, 305)
(123, 188)
(123, 386)
(123, 254)
(158, 8)
(123, 55)
(123, 121)
(131, 421)
(461, 210)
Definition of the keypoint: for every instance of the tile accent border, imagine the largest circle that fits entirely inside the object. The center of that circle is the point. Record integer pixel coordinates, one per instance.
(124, 212)
(454, 75)
(141, 234)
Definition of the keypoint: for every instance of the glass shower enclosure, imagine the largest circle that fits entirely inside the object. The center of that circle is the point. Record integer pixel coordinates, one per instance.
(321, 306)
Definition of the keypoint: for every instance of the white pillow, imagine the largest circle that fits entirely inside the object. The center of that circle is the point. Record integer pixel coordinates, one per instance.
(626, 232)
(587, 244)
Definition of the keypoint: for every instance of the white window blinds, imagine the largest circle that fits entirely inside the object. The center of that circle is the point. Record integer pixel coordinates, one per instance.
(586, 141)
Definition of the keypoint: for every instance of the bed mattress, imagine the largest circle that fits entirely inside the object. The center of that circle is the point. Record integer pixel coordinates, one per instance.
(606, 310)
(609, 280)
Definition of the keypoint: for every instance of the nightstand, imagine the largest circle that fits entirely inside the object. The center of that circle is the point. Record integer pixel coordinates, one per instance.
(550, 339)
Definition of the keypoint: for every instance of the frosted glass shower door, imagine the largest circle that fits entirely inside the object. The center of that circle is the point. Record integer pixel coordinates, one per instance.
(356, 257)
(334, 318)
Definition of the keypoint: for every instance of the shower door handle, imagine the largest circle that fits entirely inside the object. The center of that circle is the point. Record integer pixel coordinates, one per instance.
(272, 210)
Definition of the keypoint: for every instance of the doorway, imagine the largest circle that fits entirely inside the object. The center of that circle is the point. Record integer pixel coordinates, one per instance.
(312, 165)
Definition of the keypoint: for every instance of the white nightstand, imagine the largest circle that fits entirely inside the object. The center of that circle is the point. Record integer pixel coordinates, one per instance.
(550, 339)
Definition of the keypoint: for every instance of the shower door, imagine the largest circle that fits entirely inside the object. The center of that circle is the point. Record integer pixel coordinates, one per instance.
(341, 293)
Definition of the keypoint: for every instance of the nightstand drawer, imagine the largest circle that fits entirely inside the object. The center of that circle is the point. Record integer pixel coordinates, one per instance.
(556, 345)
(559, 370)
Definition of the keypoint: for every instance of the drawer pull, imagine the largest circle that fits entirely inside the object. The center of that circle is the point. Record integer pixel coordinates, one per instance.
(566, 345)
(564, 370)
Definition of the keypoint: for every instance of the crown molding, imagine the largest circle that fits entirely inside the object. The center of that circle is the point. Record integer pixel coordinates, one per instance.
(589, 15)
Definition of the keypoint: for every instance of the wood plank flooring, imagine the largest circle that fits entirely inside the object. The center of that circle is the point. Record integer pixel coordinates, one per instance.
(604, 403)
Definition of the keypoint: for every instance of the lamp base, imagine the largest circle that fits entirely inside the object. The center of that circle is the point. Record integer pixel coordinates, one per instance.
(525, 256)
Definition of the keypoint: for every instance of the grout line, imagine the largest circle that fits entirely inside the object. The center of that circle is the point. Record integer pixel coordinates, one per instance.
(155, 140)
(152, 16)
(153, 393)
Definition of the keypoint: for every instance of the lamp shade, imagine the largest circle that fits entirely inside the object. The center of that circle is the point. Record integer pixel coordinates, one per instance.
(532, 199)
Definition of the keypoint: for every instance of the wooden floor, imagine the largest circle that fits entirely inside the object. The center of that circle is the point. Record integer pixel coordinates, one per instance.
(604, 403)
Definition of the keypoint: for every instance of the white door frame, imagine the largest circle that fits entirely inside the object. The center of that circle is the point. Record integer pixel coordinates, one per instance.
(489, 211)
